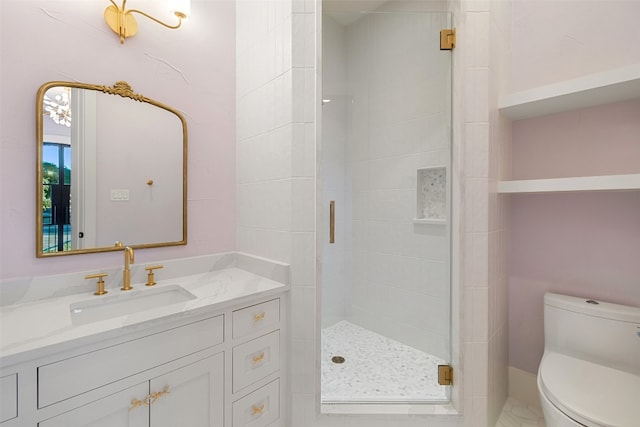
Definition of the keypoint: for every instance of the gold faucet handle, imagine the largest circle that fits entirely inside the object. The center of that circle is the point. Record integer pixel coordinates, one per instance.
(100, 290)
(150, 275)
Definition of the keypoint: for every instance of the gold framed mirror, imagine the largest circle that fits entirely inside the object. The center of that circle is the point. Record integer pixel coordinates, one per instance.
(111, 170)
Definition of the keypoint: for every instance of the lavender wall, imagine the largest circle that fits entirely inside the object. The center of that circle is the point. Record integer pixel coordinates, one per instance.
(578, 244)
(555, 40)
(192, 69)
(603, 140)
(583, 244)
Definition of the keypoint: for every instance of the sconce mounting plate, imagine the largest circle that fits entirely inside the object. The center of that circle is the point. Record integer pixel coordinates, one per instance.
(114, 18)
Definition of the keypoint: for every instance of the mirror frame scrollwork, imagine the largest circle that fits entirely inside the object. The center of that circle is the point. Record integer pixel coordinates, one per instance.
(123, 89)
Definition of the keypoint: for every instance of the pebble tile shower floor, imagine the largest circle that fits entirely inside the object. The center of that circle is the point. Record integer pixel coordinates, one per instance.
(376, 369)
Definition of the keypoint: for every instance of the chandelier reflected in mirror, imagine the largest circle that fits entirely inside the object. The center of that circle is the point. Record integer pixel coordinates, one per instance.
(59, 107)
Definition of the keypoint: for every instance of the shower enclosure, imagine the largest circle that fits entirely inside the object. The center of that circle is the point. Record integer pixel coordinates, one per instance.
(385, 168)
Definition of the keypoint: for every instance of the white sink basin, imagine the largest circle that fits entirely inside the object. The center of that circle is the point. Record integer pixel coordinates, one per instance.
(126, 302)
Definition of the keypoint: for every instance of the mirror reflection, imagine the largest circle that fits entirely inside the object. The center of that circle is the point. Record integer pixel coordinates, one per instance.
(111, 168)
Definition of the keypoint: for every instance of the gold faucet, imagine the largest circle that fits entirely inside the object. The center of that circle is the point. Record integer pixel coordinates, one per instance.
(126, 276)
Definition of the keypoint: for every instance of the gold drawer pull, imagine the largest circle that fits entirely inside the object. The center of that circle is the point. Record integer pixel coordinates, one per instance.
(258, 359)
(255, 410)
(136, 403)
(259, 317)
(158, 394)
(149, 398)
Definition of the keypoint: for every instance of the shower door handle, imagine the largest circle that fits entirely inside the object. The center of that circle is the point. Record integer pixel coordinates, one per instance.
(332, 221)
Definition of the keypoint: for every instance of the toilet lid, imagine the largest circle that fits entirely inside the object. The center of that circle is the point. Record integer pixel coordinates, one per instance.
(591, 394)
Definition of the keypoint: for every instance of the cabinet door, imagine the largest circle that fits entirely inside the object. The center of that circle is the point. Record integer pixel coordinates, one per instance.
(191, 396)
(112, 411)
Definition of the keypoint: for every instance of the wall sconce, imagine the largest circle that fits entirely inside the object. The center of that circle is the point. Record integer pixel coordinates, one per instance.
(122, 22)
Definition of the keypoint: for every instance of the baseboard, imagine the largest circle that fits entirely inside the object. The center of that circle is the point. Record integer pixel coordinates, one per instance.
(523, 387)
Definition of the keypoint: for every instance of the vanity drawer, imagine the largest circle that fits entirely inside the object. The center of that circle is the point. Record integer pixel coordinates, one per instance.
(255, 360)
(70, 377)
(259, 408)
(8, 397)
(262, 317)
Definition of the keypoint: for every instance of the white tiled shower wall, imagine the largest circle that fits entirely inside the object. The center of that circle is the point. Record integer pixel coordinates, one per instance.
(484, 60)
(276, 161)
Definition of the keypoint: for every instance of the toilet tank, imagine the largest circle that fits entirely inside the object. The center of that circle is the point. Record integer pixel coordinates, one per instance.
(597, 331)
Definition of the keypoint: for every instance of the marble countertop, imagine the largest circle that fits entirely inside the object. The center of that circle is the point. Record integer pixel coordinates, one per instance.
(30, 327)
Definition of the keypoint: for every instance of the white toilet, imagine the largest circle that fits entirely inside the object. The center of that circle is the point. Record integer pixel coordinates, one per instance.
(590, 372)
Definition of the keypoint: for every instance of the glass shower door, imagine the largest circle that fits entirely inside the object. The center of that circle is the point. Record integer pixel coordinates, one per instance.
(386, 155)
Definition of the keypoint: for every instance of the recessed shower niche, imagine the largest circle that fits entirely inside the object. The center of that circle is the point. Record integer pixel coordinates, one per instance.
(431, 195)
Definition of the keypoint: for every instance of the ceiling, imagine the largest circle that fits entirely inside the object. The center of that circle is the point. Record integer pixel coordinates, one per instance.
(347, 11)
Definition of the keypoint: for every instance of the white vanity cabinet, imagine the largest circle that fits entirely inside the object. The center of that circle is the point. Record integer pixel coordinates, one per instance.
(189, 396)
(196, 395)
(220, 369)
(256, 356)
(8, 397)
(111, 411)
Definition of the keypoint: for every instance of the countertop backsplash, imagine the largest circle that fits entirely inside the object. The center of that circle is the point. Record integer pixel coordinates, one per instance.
(28, 289)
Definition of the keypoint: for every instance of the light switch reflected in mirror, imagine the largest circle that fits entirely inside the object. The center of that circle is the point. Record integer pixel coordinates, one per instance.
(111, 166)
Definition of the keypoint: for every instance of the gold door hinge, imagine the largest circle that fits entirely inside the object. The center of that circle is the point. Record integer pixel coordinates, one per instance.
(445, 374)
(447, 39)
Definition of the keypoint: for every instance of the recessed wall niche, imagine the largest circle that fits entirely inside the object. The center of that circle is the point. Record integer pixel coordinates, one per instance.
(431, 195)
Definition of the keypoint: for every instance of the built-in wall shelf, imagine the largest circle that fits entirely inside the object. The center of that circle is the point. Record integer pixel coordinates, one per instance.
(586, 183)
(588, 91)
(429, 221)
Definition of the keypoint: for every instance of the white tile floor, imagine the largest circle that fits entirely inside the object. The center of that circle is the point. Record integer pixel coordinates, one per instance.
(376, 369)
(518, 414)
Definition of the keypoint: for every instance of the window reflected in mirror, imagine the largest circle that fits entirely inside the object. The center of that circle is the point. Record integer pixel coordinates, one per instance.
(56, 197)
